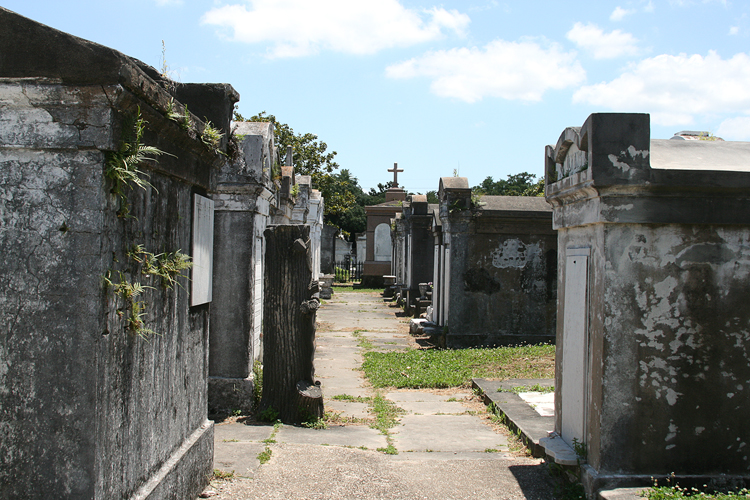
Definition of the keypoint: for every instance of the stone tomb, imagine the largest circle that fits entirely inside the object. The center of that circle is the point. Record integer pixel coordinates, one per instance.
(495, 268)
(378, 254)
(653, 335)
(413, 248)
(244, 198)
(92, 404)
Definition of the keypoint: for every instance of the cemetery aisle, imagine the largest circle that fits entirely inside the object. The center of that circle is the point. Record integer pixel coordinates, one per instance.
(442, 445)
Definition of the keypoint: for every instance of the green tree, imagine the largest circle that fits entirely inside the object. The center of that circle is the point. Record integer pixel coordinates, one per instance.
(523, 184)
(432, 197)
(311, 157)
(342, 207)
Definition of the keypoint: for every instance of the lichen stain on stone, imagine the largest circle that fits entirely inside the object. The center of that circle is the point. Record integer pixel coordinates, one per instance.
(514, 253)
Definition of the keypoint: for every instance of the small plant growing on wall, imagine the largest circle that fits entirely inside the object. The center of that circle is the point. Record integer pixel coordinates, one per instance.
(211, 136)
(134, 309)
(122, 166)
(167, 266)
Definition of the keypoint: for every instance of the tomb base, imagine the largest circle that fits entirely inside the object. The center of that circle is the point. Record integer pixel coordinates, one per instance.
(594, 481)
(226, 394)
(186, 472)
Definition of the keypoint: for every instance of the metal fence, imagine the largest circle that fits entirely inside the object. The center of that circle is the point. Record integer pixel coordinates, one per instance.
(348, 271)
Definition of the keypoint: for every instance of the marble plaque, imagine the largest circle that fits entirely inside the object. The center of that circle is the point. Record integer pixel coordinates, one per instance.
(203, 250)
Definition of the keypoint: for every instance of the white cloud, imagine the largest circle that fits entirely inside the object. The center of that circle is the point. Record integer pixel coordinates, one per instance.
(603, 45)
(619, 13)
(676, 88)
(301, 27)
(735, 129)
(509, 70)
(734, 30)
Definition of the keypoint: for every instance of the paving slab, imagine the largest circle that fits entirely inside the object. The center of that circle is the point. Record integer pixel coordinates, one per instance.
(621, 494)
(238, 431)
(354, 436)
(347, 409)
(335, 473)
(445, 433)
(427, 403)
(240, 458)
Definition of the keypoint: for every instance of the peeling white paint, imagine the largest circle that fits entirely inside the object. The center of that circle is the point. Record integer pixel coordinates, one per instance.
(672, 432)
(672, 396)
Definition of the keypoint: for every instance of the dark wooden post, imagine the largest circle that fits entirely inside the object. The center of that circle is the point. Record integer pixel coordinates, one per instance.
(289, 307)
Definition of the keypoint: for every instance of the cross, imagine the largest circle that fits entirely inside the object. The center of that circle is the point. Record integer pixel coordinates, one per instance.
(395, 174)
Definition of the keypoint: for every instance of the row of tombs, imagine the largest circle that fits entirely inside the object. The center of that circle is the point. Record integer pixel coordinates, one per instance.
(637, 264)
(114, 347)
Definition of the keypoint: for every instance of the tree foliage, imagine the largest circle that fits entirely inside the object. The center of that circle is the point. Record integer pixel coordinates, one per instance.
(523, 184)
(311, 157)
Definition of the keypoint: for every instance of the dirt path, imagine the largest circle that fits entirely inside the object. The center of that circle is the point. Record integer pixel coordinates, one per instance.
(445, 448)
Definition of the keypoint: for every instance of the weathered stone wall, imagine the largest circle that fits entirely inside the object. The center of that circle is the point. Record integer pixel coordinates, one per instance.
(242, 197)
(327, 248)
(498, 274)
(653, 330)
(681, 292)
(503, 286)
(88, 408)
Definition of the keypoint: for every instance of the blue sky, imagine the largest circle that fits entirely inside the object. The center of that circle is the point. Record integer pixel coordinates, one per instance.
(477, 86)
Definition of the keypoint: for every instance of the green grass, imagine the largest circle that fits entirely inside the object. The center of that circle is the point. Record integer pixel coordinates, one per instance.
(223, 475)
(337, 288)
(455, 368)
(386, 413)
(529, 388)
(672, 490)
(351, 399)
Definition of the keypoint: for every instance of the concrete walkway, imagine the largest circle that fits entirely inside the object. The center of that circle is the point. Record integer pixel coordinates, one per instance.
(446, 449)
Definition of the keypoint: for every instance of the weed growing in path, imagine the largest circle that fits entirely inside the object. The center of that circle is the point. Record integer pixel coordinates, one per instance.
(223, 475)
(364, 343)
(265, 455)
(386, 416)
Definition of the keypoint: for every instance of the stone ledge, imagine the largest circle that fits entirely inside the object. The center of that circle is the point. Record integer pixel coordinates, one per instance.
(186, 472)
(559, 450)
(518, 413)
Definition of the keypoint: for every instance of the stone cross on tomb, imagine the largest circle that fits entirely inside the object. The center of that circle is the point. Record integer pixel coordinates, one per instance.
(395, 171)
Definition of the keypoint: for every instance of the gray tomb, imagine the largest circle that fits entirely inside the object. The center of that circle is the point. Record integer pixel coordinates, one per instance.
(413, 249)
(652, 372)
(494, 268)
(244, 198)
(92, 405)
